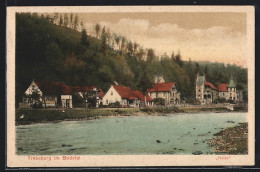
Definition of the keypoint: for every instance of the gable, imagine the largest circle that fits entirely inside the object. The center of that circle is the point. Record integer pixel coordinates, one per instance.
(33, 87)
(111, 93)
(162, 87)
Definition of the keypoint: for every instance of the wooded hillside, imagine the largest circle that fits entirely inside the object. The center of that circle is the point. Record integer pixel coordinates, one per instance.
(47, 51)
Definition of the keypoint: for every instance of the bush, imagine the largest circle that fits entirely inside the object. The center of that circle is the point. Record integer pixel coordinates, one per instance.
(192, 101)
(37, 105)
(159, 101)
(114, 105)
(219, 100)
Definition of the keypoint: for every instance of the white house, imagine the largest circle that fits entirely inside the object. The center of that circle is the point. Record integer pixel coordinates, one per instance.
(50, 93)
(126, 97)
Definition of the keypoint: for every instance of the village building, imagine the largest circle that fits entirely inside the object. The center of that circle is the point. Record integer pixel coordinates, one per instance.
(206, 92)
(55, 94)
(126, 97)
(89, 92)
(230, 92)
(165, 90)
(50, 93)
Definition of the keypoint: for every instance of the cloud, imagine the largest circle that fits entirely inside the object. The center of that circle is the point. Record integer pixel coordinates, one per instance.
(214, 43)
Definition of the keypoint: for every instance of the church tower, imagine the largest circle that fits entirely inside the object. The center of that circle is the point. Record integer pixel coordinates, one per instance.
(232, 89)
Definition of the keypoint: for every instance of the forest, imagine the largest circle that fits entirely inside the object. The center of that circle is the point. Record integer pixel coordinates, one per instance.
(57, 48)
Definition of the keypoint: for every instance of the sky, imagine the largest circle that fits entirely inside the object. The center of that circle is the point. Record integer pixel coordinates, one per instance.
(199, 36)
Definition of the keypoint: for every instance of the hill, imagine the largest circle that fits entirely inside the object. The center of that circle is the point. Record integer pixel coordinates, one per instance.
(46, 51)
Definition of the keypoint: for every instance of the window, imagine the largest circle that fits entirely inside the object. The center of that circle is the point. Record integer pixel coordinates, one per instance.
(164, 94)
(111, 93)
(223, 94)
(199, 90)
(33, 87)
(106, 101)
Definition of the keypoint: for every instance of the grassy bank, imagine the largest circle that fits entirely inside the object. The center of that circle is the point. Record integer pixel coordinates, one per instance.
(56, 115)
(231, 140)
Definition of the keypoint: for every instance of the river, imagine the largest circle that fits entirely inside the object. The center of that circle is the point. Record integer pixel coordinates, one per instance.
(177, 134)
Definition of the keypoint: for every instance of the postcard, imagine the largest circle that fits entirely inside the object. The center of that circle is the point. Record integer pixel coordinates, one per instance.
(111, 86)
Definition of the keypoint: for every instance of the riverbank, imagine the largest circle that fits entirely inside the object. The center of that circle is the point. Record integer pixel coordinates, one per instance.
(30, 116)
(232, 140)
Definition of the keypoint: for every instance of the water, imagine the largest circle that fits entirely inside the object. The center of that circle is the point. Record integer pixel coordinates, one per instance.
(173, 134)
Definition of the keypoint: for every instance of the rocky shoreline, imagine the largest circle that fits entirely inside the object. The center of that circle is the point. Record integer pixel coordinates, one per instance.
(232, 140)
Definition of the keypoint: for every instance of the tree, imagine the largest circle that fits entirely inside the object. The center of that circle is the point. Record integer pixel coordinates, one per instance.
(145, 83)
(71, 20)
(66, 19)
(172, 56)
(76, 22)
(84, 38)
(117, 40)
(97, 29)
(130, 48)
(150, 54)
(197, 69)
(82, 25)
(178, 58)
(61, 20)
(135, 47)
(103, 39)
(123, 44)
(55, 17)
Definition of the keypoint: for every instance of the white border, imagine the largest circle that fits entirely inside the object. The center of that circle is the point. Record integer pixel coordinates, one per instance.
(14, 160)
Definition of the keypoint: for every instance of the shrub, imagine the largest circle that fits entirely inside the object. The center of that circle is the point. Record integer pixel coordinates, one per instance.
(114, 105)
(219, 100)
(37, 105)
(192, 101)
(159, 101)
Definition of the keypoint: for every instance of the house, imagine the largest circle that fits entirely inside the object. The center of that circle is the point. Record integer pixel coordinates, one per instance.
(206, 92)
(126, 97)
(165, 90)
(89, 92)
(50, 93)
(229, 91)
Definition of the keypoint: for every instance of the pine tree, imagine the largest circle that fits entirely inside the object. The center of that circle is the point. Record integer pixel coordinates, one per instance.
(61, 20)
(84, 38)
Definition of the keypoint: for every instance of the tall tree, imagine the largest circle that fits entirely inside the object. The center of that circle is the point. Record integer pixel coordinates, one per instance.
(82, 25)
(61, 20)
(55, 17)
(150, 54)
(71, 20)
(123, 41)
(135, 47)
(97, 29)
(178, 58)
(76, 22)
(66, 19)
(84, 38)
(145, 83)
(130, 48)
(117, 40)
(103, 40)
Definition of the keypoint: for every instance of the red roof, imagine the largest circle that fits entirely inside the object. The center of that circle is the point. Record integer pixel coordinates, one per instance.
(83, 88)
(161, 87)
(53, 88)
(58, 88)
(101, 93)
(223, 87)
(128, 93)
(211, 85)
